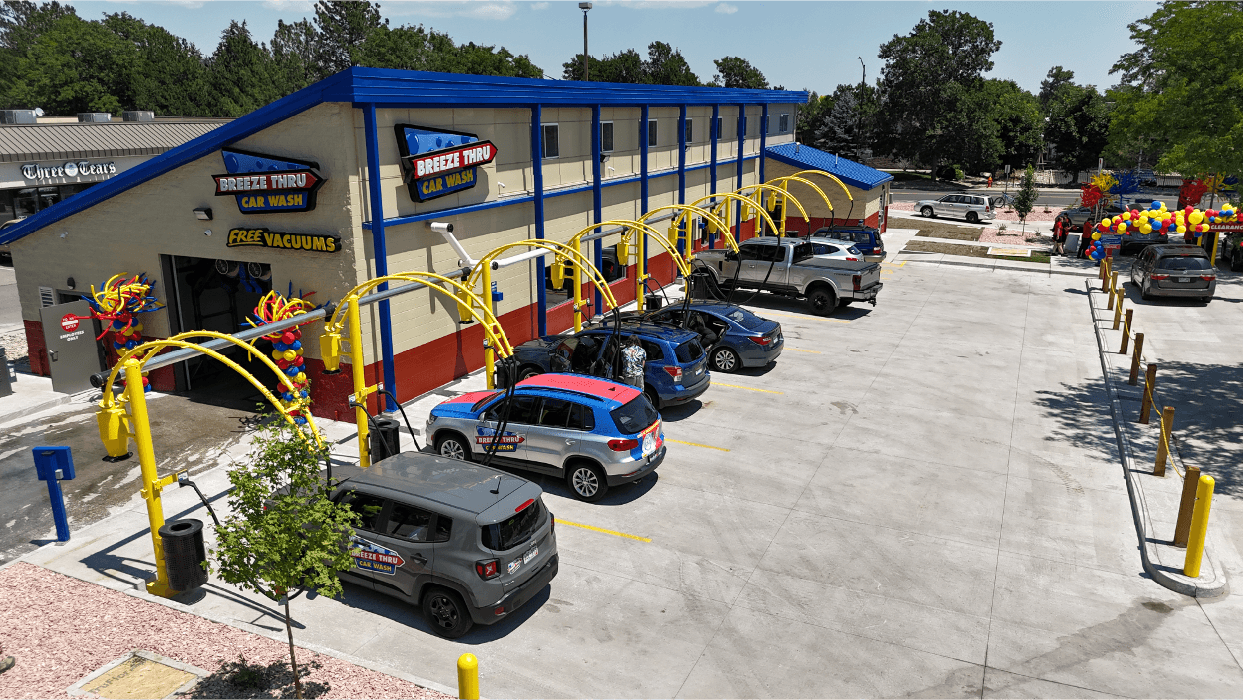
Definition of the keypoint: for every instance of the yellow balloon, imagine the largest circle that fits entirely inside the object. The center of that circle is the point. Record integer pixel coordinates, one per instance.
(1126, 216)
(1197, 216)
(1122, 228)
(1106, 222)
(1163, 208)
(300, 378)
(277, 355)
(1182, 229)
(1145, 229)
(1096, 235)
(289, 355)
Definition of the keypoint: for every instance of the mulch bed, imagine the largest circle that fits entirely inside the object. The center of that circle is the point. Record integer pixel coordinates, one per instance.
(973, 251)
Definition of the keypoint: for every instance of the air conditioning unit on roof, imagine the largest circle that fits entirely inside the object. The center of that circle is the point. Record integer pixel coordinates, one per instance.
(94, 117)
(18, 116)
(138, 116)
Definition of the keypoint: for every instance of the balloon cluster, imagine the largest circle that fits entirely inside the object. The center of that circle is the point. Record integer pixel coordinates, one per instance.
(1161, 220)
(116, 303)
(287, 345)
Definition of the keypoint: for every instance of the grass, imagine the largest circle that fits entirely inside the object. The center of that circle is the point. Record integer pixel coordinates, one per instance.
(972, 251)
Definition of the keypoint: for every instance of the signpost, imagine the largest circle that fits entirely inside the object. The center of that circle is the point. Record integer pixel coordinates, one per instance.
(1112, 243)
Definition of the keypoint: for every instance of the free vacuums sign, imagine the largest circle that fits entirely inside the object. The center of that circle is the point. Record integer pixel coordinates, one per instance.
(263, 184)
(438, 162)
(263, 238)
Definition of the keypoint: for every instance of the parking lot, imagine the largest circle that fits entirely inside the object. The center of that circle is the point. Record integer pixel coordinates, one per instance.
(921, 498)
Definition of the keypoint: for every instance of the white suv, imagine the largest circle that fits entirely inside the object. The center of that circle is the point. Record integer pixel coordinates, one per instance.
(972, 207)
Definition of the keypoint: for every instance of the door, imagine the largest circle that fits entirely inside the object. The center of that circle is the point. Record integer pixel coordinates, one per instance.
(757, 270)
(72, 352)
(365, 552)
(409, 536)
(945, 206)
(511, 448)
(552, 439)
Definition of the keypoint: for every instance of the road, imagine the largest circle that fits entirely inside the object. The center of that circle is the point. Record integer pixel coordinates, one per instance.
(1056, 198)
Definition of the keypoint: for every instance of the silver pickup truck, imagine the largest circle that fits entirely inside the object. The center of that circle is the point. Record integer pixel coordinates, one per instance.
(789, 267)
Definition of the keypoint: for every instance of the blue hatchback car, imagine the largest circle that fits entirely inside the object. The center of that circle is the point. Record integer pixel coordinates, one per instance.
(676, 370)
(735, 337)
(866, 238)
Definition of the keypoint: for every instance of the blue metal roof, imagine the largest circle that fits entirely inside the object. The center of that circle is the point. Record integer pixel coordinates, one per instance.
(405, 89)
(850, 172)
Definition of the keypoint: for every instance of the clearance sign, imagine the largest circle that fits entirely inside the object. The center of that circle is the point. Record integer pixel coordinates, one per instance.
(265, 184)
(263, 238)
(437, 162)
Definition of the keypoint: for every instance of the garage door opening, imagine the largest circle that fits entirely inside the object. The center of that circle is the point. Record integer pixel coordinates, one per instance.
(215, 295)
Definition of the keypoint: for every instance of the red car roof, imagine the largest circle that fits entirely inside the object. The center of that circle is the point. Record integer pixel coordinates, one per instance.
(469, 397)
(603, 388)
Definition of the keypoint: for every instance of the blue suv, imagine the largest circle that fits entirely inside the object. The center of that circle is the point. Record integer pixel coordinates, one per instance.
(676, 370)
(866, 238)
(735, 337)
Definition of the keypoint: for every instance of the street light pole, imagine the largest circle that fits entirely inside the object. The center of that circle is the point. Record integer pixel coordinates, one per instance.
(584, 6)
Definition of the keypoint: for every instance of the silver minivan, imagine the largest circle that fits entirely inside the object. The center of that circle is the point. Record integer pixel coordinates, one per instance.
(465, 543)
(972, 207)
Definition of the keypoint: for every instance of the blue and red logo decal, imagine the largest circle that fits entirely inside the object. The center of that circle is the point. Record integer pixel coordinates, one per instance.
(437, 162)
(372, 557)
(264, 184)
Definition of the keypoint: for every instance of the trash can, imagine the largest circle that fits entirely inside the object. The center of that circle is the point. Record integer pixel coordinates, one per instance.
(384, 439)
(699, 286)
(6, 379)
(184, 554)
(652, 302)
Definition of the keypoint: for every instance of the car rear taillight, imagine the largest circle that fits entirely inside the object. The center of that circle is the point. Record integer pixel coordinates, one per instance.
(524, 504)
(1159, 278)
(986, 209)
(488, 569)
(853, 259)
(856, 279)
(623, 445)
(1208, 278)
(760, 340)
(675, 372)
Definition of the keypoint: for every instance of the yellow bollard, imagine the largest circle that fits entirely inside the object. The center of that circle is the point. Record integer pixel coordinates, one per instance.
(468, 677)
(1139, 349)
(1199, 527)
(489, 355)
(1163, 445)
(1186, 506)
(151, 483)
(354, 318)
(1150, 385)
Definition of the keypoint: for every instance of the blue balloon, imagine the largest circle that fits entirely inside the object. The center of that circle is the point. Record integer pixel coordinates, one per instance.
(299, 420)
(131, 344)
(278, 345)
(297, 345)
(1158, 205)
(292, 371)
(302, 393)
(146, 388)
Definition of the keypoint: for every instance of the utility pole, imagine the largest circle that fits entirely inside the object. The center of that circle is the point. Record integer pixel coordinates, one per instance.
(859, 111)
(584, 6)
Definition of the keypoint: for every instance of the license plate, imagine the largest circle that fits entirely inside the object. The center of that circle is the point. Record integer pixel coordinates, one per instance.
(1184, 279)
(698, 371)
(531, 554)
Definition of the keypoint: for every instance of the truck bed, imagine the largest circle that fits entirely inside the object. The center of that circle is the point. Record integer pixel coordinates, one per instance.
(853, 267)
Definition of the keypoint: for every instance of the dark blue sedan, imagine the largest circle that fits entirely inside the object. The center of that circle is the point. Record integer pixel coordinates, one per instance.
(735, 337)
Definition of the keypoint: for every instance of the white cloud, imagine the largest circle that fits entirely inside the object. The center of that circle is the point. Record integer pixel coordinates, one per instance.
(478, 10)
(726, 8)
(492, 10)
(539, 6)
(303, 6)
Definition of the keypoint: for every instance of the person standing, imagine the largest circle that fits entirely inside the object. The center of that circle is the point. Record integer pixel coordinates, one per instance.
(633, 359)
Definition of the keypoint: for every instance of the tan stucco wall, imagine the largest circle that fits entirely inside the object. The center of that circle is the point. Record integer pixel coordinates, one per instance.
(866, 202)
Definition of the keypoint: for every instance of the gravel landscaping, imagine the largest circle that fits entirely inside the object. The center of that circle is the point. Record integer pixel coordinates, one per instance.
(15, 351)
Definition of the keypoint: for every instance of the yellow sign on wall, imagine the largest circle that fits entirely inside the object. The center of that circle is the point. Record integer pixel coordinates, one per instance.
(263, 238)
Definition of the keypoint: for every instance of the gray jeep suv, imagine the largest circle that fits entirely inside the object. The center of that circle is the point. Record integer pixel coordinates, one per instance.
(466, 543)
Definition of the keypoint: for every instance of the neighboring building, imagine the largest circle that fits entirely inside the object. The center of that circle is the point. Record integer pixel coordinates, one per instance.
(868, 187)
(351, 188)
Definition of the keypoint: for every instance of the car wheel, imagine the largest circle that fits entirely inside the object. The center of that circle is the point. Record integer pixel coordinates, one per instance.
(529, 371)
(822, 302)
(453, 446)
(587, 481)
(725, 360)
(972, 218)
(927, 212)
(446, 614)
(1235, 263)
(1143, 292)
(653, 397)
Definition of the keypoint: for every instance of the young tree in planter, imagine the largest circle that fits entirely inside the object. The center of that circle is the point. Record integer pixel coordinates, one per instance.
(1025, 200)
(284, 533)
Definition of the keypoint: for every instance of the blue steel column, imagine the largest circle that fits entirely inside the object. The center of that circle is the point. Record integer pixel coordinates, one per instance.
(763, 142)
(742, 141)
(716, 113)
(380, 249)
(597, 246)
(642, 270)
(682, 172)
(537, 170)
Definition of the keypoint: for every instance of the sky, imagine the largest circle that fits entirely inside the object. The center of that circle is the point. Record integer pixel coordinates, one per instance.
(806, 44)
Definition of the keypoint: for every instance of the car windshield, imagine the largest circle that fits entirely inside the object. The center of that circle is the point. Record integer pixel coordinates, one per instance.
(1184, 262)
(745, 318)
(689, 351)
(513, 532)
(634, 416)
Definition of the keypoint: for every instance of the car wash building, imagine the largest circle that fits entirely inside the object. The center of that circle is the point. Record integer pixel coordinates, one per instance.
(340, 183)
(867, 205)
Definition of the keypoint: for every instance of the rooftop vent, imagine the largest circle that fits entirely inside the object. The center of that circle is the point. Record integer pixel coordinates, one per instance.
(138, 116)
(94, 117)
(18, 116)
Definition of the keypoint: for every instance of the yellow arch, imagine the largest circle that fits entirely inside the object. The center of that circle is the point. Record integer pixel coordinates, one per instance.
(809, 183)
(729, 237)
(760, 205)
(831, 176)
(570, 252)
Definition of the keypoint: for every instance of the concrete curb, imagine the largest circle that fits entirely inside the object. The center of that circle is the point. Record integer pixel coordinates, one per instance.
(1211, 583)
(994, 266)
(36, 408)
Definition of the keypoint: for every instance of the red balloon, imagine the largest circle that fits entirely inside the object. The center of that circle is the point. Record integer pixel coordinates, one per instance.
(297, 334)
(283, 364)
(1188, 209)
(288, 338)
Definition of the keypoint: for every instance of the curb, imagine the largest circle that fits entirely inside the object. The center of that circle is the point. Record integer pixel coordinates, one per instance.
(1211, 583)
(993, 266)
(37, 408)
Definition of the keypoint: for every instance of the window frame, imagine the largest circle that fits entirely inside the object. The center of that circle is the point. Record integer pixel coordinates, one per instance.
(653, 132)
(382, 516)
(720, 121)
(432, 517)
(612, 140)
(544, 141)
(690, 131)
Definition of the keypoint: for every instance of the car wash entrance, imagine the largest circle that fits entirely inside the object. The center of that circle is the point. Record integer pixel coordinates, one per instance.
(214, 295)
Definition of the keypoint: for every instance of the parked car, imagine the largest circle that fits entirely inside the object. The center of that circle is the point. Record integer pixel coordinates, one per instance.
(789, 267)
(866, 238)
(465, 543)
(594, 433)
(1178, 270)
(1231, 250)
(735, 338)
(972, 207)
(834, 249)
(6, 253)
(675, 372)
(1074, 218)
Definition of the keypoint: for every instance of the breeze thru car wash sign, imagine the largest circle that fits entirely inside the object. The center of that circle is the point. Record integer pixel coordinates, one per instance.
(438, 162)
(265, 184)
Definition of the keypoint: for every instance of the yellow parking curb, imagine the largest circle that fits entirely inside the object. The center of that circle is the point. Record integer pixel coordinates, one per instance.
(600, 529)
(748, 388)
(695, 444)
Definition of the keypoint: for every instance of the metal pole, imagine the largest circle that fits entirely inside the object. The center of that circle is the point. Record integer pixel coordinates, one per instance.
(537, 169)
(742, 141)
(468, 672)
(1199, 527)
(1163, 446)
(641, 262)
(380, 249)
(150, 478)
(360, 380)
(716, 114)
(489, 354)
(597, 154)
(586, 60)
(1186, 506)
(1150, 385)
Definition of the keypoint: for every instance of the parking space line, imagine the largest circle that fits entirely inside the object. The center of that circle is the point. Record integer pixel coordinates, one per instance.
(895, 264)
(802, 350)
(748, 388)
(600, 529)
(808, 318)
(695, 444)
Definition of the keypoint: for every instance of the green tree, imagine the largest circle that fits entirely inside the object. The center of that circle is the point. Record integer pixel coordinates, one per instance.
(845, 128)
(932, 90)
(284, 531)
(1077, 127)
(295, 50)
(343, 30)
(241, 75)
(1183, 84)
(168, 73)
(76, 66)
(1025, 200)
(23, 22)
(734, 72)
(1020, 123)
(666, 66)
(474, 59)
(1054, 79)
(811, 118)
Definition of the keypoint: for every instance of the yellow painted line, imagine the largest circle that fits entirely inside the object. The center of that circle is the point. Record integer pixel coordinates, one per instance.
(802, 350)
(895, 264)
(607, 532)
(806, 318)
(695, 444)
(748, 388)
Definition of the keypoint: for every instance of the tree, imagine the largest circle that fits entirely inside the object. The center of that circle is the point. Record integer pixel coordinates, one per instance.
(1020, 124)
(75, 66)
(22, 23)
(734, 72)
(344, 28)
(931, 90)
(1054, 79)
(844, 125)
(811, 118)
(241, 74)
(474, 59)
(284, 531)
(296, 50)
(1182, 93)
(1078, 127)
(1025, 200)
(666, 66)
(169, 78)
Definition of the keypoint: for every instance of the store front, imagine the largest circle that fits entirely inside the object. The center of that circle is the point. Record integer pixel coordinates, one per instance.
(340, 182)
(867, 205)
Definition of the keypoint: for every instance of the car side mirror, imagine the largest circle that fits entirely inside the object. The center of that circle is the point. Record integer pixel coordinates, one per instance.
(731, 256)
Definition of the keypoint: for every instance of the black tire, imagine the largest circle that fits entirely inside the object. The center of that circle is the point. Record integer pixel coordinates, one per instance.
(453, 446)
(822, 301)
(725, 360)
(586, 481)
(445, 613)
(1143, 292)
(652, 396)
(973, 218)
(927, 213)
(528, 371)
(1235, 263)
(1206, 299)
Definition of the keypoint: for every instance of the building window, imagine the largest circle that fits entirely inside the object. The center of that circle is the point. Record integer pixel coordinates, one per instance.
(606, 136)
(611, 268)
(784, 125)
(768, 124)
(690, 133)
(717, 135)
(651, 132)
(552, 148)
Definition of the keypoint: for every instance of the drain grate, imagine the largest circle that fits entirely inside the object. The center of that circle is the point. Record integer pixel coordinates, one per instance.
(139, 674)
